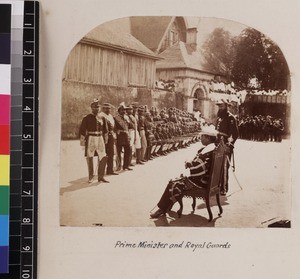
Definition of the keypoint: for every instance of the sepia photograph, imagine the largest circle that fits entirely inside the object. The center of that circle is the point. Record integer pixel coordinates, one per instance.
(174, 121)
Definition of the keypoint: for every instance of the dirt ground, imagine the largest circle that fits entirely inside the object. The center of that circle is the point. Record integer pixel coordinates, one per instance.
(259, 194)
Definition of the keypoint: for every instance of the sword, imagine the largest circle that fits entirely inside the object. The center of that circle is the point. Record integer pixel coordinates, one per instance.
(233, 161)
(233, 169)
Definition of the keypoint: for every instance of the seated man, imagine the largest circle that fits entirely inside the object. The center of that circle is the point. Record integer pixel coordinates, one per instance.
(199, 173)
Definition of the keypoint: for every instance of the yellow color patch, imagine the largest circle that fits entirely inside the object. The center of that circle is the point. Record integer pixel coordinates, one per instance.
(4, 170)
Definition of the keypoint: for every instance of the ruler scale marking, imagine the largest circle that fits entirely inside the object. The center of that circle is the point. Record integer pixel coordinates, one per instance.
(24, 141)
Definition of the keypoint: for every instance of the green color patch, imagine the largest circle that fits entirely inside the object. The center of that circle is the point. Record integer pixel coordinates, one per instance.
(4, 200)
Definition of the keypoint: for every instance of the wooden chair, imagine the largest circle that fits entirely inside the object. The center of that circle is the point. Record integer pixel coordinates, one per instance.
(213, 188)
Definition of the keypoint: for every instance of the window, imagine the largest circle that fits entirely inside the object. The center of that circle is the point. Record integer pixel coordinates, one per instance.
(173, 37)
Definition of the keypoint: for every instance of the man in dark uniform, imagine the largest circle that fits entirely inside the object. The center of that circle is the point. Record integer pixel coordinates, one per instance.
(123, 138)
(142, 131)
(93, 135)
(199, 173)
(158, 138)
(110, 145)
(278, 129)
(228, 131)
(267, 128)
(149, 135)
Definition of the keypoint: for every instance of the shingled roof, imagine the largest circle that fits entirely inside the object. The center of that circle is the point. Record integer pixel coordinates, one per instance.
(150, 29)
(107, 37)
(182, 55)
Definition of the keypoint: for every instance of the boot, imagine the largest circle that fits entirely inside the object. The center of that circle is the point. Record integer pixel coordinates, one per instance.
(138, 156)
(90, 165)
(130, 158)
(101, 169)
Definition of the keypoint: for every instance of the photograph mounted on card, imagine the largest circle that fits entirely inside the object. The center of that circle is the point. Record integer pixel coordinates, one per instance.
(175, 121)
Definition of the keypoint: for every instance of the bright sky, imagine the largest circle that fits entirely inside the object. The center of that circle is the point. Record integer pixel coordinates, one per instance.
(206, 25)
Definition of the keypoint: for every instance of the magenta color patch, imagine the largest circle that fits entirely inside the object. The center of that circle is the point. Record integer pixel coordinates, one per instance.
(4, 109)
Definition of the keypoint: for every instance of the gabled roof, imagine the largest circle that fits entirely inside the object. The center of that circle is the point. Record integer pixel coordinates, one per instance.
(182, 55)
(107, 37)
(150, 29)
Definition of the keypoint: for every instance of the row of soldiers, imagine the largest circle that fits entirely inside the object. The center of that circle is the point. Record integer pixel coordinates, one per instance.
(170, 129)
(261, 128)
(135, 131)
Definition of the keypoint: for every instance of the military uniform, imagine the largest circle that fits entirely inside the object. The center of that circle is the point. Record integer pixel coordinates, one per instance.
(228, 131)
(142, 131)
(199, 175)
(93, 135)
(149, 136)
(137, 143)
(279, 127)
(123, 139)
(111, 139)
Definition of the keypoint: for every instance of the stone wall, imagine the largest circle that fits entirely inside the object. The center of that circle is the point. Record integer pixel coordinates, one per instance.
(76, 99)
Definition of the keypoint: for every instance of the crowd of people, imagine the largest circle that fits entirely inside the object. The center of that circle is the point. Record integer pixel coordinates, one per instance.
(228, 91)
(220, 90)
(261, 128)
(134, 133)
(269, 92)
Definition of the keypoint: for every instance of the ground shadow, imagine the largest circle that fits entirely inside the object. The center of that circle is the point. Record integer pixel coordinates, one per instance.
(186, 220)
(213, 202)
(78, 184)
(82, 183)
(192, 220)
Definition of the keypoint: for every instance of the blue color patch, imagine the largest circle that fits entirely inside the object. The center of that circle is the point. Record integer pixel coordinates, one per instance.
(4, 224)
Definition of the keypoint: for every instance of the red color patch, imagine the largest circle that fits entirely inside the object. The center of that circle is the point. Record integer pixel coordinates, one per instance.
(4, 140)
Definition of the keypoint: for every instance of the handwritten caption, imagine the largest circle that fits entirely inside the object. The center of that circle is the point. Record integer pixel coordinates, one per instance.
(178, 245)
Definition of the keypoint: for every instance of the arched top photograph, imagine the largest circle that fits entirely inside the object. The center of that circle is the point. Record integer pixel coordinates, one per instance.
(175, 121)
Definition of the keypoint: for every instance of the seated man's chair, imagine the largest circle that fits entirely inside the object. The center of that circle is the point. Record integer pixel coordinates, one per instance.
(213, 188)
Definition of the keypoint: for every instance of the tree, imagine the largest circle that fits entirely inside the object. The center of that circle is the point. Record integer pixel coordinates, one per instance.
(259, 57)
(219, 52)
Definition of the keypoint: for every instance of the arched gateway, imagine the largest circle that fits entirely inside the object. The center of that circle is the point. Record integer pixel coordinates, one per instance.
(201, 102)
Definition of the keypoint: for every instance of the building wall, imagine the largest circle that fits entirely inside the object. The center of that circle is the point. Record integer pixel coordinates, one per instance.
(171, 74)
(77, 97)
(187, 81)
(95, 65)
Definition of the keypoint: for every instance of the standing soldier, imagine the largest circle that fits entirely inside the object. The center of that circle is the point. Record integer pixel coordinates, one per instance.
(228, 131)
(149, 135)
(123, 138)
(267, 128)
(142, 130)
(278, 127)
(132, 131)
(137, 143)
(241, 128)
(93, 135)
(111, 140)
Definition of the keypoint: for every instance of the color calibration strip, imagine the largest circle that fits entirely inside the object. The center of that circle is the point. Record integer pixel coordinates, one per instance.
(21, 116)
(5, 99)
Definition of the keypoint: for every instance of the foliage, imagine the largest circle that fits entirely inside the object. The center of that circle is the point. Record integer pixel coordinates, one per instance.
(258, 56)
(247, 56)
(219, 52)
